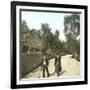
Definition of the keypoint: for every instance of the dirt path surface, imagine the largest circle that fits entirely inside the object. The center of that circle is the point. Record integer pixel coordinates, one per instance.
(70, 67)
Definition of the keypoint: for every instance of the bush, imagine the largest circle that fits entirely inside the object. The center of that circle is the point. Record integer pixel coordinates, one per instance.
(77, 57)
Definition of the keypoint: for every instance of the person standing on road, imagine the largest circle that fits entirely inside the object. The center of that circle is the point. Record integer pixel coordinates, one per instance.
(45, 64)
(57, 65)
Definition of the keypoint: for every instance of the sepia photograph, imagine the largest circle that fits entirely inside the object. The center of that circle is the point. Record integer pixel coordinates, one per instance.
(49, 44)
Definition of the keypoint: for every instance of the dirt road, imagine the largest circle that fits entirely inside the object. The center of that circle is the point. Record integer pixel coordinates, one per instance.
(70, 67)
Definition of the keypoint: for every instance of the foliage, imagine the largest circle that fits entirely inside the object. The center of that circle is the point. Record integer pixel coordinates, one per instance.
(72, 25)
(51, 41)
(72, 31)
(30, 39)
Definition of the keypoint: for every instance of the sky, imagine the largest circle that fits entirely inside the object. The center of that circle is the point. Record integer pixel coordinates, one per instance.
(55, 20)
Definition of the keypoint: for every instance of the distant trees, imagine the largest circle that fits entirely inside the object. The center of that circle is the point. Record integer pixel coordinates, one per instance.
(72, 31)
(42, 40)
(72, 25)
(51, 41)
(45, 28)
(24, 36)
(30, 39)
(57, 34)
(45, 41)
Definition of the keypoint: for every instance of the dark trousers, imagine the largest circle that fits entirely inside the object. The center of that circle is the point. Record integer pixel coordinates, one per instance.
(58, 73)
(45, 68)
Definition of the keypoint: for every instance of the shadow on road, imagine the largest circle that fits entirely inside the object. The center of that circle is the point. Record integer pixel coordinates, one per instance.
(51, 74)
(62, 72)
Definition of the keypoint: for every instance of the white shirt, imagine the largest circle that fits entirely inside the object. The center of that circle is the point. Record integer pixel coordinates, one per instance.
(44, 63)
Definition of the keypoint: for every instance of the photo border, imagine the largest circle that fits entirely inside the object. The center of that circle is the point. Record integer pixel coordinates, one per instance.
(13, 44)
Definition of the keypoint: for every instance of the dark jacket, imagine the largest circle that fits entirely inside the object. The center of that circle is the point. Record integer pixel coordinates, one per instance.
(57, 60)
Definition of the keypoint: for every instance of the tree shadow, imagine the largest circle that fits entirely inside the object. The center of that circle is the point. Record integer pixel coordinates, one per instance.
(62, 72)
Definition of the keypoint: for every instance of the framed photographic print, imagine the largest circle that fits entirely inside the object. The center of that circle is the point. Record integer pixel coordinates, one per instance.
(48, 44)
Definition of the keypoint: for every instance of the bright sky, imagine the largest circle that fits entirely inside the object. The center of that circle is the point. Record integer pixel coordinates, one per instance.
(55, 20)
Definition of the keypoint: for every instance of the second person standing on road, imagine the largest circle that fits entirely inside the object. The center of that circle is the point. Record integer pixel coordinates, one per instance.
(57, 65)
